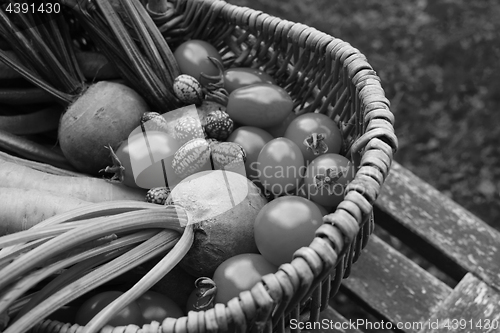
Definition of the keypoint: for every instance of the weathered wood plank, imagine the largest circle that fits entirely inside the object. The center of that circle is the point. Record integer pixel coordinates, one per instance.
(437, 227)
(394, 286)
(473, 306)
(333, 322)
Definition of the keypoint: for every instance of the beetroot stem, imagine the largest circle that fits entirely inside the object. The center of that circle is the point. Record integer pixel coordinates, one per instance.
(151, 278)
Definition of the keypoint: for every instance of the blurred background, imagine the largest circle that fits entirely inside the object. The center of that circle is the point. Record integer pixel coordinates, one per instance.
(440, 68)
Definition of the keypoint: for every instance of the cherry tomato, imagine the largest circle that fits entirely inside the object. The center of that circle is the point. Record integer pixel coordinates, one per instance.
(252, 139)
(194, 301)
(131, 314)
(280, 166)
(320, 133)
(240, 273)
(280, 129)
(238, 77)
(65, 314)
(322, 209)
(156, 306)
(192, 57)
(326, 179)
(135, 156)
(260, 105)
(284, 225)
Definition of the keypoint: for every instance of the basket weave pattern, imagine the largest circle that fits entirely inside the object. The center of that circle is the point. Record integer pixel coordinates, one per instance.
(322, 74)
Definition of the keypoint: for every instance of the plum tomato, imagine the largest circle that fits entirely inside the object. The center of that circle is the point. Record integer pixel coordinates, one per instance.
(280, 166)
(132, 160)
(261, 105)
(315, 134)
(203, 295)
(284, 225)
(238, 77)
(195, 301)
(280, 129)
(131, 314)
(322, 209)
(157, 307)
(192, 57)
(240, 273)
(326, 179)
(252, 139)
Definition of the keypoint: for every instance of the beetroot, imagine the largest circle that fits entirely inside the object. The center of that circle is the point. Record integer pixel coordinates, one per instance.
(104, 115)
(222, 205)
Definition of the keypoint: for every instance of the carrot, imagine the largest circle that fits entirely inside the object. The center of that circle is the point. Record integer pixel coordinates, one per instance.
(39, 121)
(158, 6)
(23, 208)
(32, 150)
(94, 66)
(23, 96)
(39, 166)
(84, 188)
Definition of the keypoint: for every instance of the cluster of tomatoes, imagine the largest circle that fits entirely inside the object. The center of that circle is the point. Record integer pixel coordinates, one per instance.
(294, 159)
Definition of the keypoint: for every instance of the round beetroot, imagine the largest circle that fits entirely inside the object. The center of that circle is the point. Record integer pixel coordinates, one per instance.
(103, 116)
(223, 206)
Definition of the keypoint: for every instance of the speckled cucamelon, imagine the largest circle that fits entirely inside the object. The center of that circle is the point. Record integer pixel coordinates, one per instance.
(188, 90)
(218, 125)
(188, 128)
(201, 155)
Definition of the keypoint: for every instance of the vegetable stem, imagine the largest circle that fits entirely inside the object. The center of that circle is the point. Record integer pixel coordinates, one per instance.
(31, 150)
(82, 263)
(154, 246)
(24, 96)
(158, 6)
(40, 121)
(85, 212)
(145, 283)
(39, 166)
(153, 218)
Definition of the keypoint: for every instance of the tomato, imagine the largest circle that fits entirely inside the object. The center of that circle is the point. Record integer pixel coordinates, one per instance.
(65, 314)
(192, 57)
(280, 166)
(252, 139)
(280, 129)
(156, 306)
(326, 179)
(240, 273)
(194, 301)
(260, 105)
(238, 77)
(131, 314)
(284, 225)
(320, 131)
(322, 209)
(135, 154)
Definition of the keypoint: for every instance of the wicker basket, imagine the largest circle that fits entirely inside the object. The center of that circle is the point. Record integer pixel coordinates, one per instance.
(323, 74)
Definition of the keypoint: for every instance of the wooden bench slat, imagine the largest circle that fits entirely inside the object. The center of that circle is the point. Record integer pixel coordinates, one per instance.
(472, 303)
(393, 285)
(434, 224)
